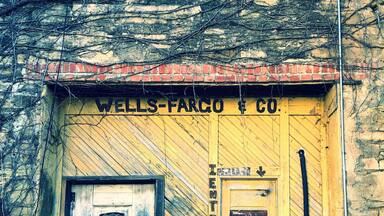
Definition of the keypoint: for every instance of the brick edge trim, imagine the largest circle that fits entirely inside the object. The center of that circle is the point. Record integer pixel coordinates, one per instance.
(191, 73)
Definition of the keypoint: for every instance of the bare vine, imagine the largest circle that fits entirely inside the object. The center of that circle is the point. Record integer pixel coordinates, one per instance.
(36, 32)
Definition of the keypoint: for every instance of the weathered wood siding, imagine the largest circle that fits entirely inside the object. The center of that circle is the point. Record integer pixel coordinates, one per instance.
(176, 147)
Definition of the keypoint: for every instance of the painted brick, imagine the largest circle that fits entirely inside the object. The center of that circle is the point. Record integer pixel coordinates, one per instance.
(168, 69)
(131, 69)
(309, 69)
(188, 78)
(206, 69)
(232, 78)
(262, 78)
(293, 69)
(220, 69)
(279, 69)
(101, 77)
(65, 68)
(284, 69)
(250, 69)
(251, 78)
(285, 72)
(325, 68)
(199, 77)
(72, 68)
(198, 69)
(264, 70)
(301, 69)
(191, 69)
(105, 69)
(146, 78)
(52, 67)
(272, 69)
(328, 77)
(161, 69)
(317, 77)
(153, 70)
(88, 68)
(213, 69)
(220, 78)
(316, 69)
(274, 77)
(178, 77)
(80, 68)
(243, 71)
(136, 78)
(359, 76)
(174, 69)
(116, 69)
(156, 78)
(93, 69)
(139, 69)
(166, 77)
(228, 69)
(294, 78)
(337, 76)
(242, 79)
(284, 77)
(183, 69)
(306, 77)
(332, 68)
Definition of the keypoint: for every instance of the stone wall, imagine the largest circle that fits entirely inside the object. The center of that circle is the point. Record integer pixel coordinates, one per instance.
(364, 116)
(364, 109)
(20, 143)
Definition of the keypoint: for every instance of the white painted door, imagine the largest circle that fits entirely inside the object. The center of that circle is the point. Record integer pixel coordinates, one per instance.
(113, 200)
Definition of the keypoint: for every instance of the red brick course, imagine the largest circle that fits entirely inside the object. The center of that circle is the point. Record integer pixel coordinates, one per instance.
(205, 73)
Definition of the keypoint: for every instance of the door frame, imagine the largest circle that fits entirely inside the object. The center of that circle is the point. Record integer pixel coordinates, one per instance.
(157, 180)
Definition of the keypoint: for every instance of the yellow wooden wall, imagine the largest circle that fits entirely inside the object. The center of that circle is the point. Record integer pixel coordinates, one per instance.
(181, 145)
(304, 133)
(249, 141)
(176, 147)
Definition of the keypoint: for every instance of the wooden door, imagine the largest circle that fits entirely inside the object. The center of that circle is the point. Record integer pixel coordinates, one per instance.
(248, 197)
(112, 200)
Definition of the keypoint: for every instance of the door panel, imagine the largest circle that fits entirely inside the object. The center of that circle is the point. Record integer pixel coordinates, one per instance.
(249, 197)
(249, 141)
(305, 133)
(113, 200)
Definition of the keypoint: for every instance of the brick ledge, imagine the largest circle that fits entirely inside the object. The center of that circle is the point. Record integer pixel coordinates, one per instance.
(183, 73)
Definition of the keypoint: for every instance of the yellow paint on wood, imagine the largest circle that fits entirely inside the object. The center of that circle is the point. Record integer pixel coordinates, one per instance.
(304, 133)
(335, 193)
(249, 194)
(283, 180)
(181, 145)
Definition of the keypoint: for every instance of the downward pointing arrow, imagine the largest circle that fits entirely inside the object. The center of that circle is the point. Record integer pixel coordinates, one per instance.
(260, 171)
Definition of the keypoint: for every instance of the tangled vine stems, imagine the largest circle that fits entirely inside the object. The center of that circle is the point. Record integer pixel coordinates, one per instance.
(138, 33)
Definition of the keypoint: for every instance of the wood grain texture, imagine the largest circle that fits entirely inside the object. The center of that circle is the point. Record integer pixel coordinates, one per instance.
(176, 147)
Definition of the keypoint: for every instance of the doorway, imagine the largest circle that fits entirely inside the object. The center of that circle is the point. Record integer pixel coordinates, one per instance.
(249, 197)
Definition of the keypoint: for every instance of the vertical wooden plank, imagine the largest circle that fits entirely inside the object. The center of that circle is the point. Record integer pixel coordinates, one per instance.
(335, 192)
(324, 162)
(213, 138)
(59, 190)
(83, 200)
(213, 160)
(283, 182)
(304, 133)
(143, 199)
